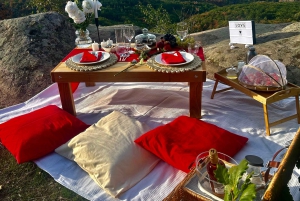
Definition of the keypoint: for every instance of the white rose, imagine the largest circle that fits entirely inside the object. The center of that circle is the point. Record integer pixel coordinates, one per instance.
(98, 5)
(88, 6)
(71, 8)
(79, 17)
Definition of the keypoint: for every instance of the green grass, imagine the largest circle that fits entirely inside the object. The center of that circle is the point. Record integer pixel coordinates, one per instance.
(28, 182)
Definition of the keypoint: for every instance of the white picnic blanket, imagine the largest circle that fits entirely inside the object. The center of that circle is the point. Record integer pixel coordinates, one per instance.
(157, 104)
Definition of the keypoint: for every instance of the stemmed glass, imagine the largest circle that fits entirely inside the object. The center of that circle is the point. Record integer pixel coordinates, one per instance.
(121, 50)
(182, 30)
(121, 47)
(129, 33)
(193, 48)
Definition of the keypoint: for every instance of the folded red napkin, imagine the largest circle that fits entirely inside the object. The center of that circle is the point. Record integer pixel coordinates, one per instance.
(172, 58)
(89, 57)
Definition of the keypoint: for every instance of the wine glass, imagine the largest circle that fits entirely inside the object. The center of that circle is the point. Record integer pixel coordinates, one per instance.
(121, 47)
(121, 50)
(193, 48)
(182, 30)
(129, 33)
(119, 34)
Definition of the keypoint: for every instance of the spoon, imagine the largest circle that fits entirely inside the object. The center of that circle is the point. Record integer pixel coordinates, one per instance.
(133, 62)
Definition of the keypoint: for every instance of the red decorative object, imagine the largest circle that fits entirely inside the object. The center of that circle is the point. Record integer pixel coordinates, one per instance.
(167, 47)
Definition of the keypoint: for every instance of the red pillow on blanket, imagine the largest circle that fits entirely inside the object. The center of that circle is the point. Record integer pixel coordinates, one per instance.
(179, 142)
(33, 135)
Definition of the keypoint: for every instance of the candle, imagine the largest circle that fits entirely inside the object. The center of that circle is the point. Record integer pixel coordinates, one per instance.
(96, 8)
(95, 46)
(103, 44)
(109, 42)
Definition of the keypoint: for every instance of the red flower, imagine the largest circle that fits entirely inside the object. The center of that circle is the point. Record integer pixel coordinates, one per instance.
(167, 47)
(160, 44)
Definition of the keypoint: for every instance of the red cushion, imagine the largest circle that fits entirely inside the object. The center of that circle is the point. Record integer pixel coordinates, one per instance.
(179, 142)
(33, 135)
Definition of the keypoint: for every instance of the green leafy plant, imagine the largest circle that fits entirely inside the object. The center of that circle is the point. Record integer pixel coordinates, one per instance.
(157, 18)
(185, 43)
(231, 178)
(45, 6)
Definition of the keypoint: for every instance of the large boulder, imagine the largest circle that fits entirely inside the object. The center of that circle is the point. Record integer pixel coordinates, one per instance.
(30, 47)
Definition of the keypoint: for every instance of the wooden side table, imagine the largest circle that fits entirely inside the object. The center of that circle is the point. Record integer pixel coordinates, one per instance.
(261, 96)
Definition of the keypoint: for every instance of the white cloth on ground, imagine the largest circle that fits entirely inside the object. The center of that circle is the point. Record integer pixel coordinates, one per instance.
(157, 104)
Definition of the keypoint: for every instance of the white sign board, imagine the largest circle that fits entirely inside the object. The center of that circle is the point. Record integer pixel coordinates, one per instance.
(242, 32)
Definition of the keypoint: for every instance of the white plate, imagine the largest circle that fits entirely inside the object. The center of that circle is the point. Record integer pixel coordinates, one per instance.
(76, 59)
(187, 56)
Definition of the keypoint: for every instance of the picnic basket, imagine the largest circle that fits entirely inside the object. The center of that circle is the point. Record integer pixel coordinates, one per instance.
(279, 179)
(183, 193)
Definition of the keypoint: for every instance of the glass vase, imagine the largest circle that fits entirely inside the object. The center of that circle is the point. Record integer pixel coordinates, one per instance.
(83, 39)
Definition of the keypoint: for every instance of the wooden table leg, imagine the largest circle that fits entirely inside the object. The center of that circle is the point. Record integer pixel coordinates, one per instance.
(195, 99)
(297, 108)
(214, 90)
(90, 84)
(66, 97)
(266, 118)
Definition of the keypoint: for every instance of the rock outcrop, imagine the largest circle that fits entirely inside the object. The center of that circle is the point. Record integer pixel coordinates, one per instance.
(30, 47)
(278, 41)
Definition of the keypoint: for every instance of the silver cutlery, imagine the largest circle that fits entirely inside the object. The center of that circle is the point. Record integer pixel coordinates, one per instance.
(126, 55)
(121, 57)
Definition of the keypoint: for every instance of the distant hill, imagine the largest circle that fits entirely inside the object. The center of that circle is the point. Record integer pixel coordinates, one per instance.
(202, 15)
(260, 12)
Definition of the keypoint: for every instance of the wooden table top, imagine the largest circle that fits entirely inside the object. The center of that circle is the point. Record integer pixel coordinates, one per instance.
(138, 73)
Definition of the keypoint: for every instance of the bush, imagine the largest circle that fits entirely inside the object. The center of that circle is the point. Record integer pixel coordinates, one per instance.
(5, 12)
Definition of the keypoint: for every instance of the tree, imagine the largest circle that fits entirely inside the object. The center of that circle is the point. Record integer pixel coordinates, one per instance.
(5, 12)
(158, 19)
(45, 6)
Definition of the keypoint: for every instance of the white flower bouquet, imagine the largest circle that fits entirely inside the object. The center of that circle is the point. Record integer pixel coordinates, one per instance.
(82, 18)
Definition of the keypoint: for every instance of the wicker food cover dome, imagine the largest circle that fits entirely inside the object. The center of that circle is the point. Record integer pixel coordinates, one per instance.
(263, 74)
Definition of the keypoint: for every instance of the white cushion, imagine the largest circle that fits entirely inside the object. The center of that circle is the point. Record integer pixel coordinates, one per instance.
(107, 152)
